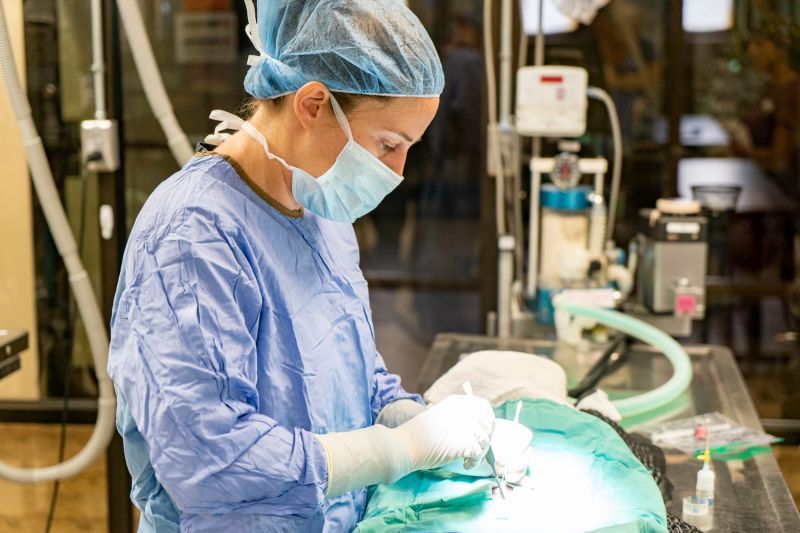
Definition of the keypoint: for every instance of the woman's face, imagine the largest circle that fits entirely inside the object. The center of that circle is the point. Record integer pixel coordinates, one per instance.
(386, 127)
(389, 127)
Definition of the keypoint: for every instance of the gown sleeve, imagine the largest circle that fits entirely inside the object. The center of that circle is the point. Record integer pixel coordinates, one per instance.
(386, 388)
(183, 356)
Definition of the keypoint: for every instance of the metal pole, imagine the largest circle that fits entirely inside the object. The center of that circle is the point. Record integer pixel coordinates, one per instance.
(98, 61)
(112, 192)
(506, 36)
(538, 58)
(675, 89)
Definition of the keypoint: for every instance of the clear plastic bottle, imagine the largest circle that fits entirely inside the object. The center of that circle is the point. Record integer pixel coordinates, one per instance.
(705, 484)
(705, 490)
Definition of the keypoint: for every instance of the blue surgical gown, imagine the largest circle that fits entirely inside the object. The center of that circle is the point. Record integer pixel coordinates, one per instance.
(239, 329)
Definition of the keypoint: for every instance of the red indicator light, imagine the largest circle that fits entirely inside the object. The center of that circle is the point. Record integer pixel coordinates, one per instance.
(552, 79)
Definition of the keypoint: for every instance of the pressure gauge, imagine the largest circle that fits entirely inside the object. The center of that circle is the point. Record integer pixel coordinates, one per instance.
(565, 174)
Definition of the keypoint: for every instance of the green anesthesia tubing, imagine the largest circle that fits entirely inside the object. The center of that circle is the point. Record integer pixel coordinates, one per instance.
(681, 363)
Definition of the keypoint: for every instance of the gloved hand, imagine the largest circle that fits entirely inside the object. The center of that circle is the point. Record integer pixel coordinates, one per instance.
(512, 452)
(457, 428)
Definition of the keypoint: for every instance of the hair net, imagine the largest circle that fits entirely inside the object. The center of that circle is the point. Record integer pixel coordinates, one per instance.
(374, 47)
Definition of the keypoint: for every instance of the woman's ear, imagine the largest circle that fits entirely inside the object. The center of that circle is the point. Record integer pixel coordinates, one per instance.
(310, 104)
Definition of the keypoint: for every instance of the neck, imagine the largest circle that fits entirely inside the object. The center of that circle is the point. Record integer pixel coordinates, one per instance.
(269, 175)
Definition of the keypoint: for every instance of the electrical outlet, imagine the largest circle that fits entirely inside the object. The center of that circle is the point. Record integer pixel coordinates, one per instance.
(100, 145)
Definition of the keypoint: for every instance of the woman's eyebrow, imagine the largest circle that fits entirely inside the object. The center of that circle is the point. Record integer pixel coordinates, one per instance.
(404, 136)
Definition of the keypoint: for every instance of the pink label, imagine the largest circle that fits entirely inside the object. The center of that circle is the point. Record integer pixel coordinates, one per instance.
(685, 304)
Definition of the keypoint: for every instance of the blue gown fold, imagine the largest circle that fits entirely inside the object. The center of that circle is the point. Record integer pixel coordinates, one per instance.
(240, 329)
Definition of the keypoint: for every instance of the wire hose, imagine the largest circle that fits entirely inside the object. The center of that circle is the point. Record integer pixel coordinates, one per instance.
(495, 151)
(153, 86)
(681, 364)
(79, 280)
(616, 172)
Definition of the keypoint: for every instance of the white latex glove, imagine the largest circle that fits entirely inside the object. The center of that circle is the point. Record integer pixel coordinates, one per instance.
(457, 428)
(398, 412)
(512, 452)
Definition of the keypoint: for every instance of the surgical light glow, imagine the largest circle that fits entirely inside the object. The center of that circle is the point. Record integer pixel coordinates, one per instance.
(707, 15)
(553, 21)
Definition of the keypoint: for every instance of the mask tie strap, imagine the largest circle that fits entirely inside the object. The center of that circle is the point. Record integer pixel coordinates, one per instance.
(227, 121)
(260, 139)
(251, 29)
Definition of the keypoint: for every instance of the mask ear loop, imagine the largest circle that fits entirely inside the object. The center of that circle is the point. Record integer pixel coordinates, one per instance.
(340, 117)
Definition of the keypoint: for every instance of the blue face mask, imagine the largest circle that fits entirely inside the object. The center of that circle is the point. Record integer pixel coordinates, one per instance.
(351, 188)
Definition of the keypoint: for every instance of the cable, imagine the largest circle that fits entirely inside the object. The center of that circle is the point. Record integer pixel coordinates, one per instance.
(68, 367)
(519, 231)
(612, 358)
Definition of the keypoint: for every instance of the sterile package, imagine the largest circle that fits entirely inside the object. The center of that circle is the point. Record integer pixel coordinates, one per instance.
(725, 438)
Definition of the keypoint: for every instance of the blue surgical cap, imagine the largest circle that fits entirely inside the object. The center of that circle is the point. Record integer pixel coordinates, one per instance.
(372, 47)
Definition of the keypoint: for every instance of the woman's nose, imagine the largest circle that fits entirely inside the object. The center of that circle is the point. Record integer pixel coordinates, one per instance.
(396, 162)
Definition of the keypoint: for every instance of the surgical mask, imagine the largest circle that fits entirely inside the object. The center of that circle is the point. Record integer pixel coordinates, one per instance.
(351, 188)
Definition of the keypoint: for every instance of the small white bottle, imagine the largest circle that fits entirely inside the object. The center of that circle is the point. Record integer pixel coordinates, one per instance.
(705, 485)
(705, 490)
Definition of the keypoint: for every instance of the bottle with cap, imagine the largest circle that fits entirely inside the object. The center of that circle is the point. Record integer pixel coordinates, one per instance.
(705, 479)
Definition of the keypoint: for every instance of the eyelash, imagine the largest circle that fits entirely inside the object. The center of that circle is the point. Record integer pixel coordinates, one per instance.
(388, 147)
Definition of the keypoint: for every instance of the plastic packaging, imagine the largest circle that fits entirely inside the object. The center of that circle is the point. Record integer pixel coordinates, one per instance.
(724, 438)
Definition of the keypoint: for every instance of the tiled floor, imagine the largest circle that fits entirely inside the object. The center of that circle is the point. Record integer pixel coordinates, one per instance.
(23, 508)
